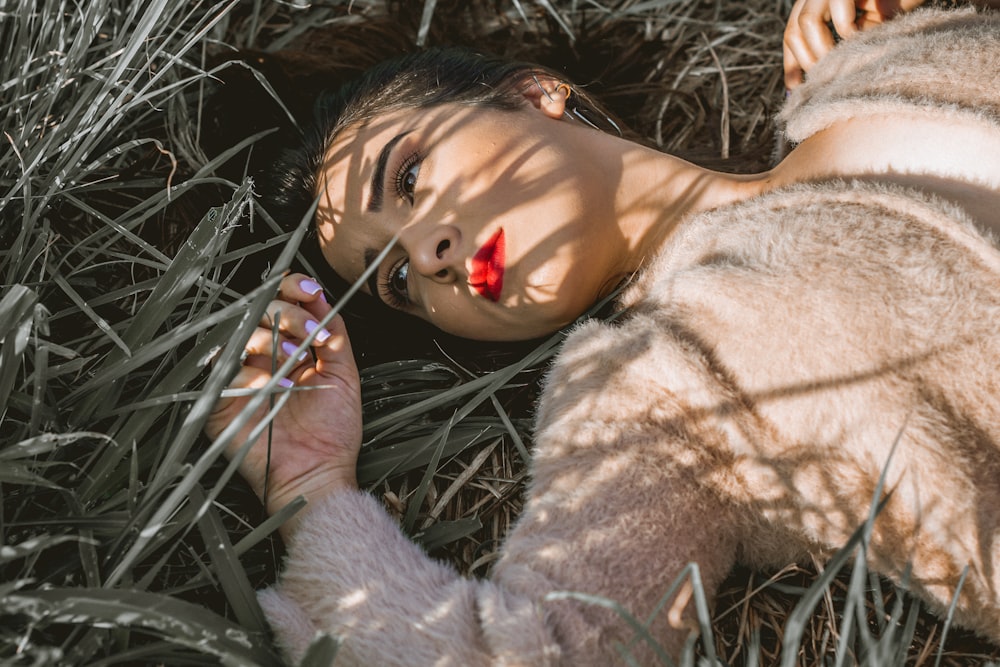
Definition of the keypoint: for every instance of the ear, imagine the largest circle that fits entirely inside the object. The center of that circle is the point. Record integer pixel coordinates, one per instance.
(546, 93)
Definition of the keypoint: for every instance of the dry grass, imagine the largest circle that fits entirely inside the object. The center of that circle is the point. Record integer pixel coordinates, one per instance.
(702, 80)
(698, 78)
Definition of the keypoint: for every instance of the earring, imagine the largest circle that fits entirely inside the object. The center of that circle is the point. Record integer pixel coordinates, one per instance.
(577, 110)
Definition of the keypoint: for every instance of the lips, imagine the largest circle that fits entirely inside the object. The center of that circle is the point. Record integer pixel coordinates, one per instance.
(486, 276)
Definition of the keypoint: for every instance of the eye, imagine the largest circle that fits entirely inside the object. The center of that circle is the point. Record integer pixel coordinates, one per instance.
(406, 177)
(396, 288)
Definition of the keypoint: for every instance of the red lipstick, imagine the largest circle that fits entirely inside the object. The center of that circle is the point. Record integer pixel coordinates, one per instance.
(487, 268)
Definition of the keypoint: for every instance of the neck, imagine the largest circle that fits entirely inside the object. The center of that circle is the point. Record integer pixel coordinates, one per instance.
(663, 191)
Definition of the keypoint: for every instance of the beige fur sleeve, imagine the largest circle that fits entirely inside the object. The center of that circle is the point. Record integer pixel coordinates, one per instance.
(609, 513)
(351, 573)
(947, 62)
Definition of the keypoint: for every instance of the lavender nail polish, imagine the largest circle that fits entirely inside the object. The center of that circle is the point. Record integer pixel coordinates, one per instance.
(323, 334)
(286, 383)
(310, 286)
(289, 349)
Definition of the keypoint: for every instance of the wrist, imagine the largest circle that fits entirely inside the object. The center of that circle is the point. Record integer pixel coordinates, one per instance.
(313, 488)
(319, 484)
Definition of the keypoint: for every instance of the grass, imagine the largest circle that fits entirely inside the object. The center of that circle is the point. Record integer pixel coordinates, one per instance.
(124, 537)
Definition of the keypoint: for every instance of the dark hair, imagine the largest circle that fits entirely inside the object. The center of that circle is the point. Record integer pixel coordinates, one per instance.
(418, 81)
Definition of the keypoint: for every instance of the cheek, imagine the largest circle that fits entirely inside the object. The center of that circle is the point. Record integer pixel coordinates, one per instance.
(558, 257)
(543, 282)
(453, 312)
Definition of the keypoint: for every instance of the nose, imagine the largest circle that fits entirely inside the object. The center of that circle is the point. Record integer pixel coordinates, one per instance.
(433, 251)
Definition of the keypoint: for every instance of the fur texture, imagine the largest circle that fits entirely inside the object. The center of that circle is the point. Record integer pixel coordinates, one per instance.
(932, 61)
(743, 409)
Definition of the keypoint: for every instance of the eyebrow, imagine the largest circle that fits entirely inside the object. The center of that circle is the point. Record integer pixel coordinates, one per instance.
(378, 175)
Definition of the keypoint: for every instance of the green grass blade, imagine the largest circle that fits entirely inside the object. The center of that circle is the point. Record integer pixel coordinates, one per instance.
(170, 619)
(420, 493)
(185, 270)
(322, 652)
(446, 532)
(227, 565)
(950, 616)
(16, 309)
(12, 552)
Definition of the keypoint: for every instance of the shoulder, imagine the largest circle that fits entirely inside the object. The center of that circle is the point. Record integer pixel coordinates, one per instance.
(783, 266)
(794, 227)
(944, 61)
(837, 245)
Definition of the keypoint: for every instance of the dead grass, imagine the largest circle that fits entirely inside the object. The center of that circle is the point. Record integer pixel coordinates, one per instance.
(699, 79)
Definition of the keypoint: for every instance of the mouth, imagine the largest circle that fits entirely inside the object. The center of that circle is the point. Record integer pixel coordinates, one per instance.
(486, 276)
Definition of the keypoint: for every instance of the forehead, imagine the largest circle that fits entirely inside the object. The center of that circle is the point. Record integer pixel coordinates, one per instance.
(346, 171)
(344, 183)
(349, 161)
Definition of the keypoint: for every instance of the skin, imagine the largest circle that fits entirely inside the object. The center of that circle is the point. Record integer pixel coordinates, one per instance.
(580, 210)
(482, 170)
(808, 36)
(319, 432)
(562, 254)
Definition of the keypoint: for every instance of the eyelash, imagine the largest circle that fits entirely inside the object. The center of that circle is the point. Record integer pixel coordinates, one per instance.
(393, 297)
(412, 160)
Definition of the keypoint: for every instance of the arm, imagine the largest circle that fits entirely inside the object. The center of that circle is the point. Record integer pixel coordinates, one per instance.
(607, 514)
(319, 428)
(352, 573)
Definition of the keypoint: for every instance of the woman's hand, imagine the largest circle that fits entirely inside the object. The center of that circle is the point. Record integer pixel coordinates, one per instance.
(316, 435)
(808, 37)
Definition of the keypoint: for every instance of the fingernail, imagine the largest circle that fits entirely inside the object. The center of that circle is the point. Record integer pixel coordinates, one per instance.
(323, 334)
(286, 383)
(289, 349)
(310, 286)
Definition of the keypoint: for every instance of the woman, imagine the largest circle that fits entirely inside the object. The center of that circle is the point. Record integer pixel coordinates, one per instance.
(785, 339)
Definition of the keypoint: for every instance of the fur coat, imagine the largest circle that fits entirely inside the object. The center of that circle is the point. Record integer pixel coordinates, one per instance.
(771, 364)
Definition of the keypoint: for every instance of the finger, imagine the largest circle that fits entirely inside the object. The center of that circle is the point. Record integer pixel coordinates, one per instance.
(295, 322)
(908, 5)
(798, 56)
(226, 408)
(843, 15)
(817, 40)
(318, 307)
(250, 377)
(866, 21)
(874, 12)
(263, 343)
(253, 464)
(300, 288)
(793, 72)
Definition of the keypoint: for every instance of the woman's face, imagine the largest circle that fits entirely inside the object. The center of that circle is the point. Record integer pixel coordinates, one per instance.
(504, 221)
